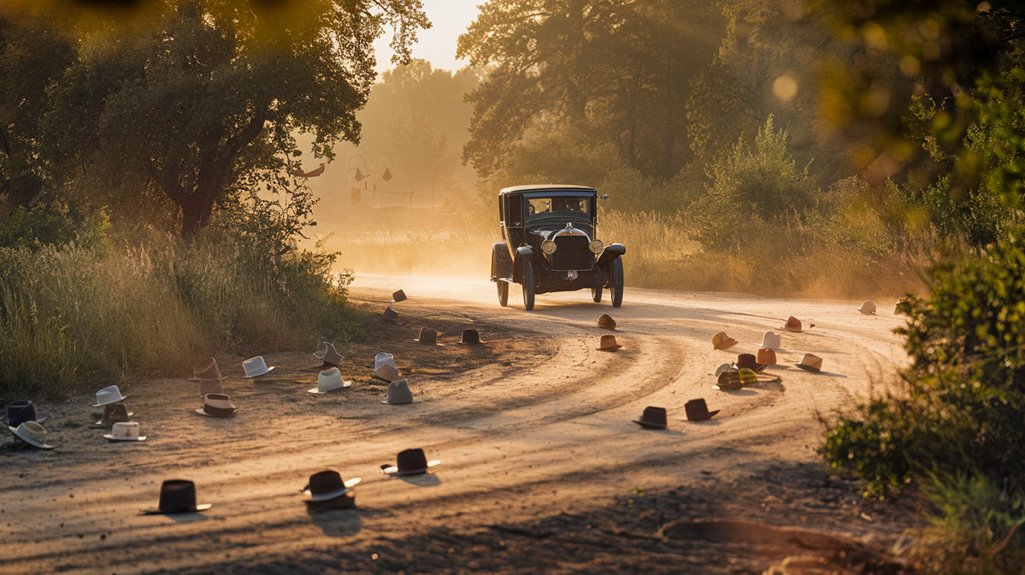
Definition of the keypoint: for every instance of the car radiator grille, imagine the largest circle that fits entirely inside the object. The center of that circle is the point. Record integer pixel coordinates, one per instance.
(572, 254)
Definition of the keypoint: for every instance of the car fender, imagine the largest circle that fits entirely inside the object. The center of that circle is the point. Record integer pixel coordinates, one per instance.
(501, 262)
(611, 252)
(523, 253)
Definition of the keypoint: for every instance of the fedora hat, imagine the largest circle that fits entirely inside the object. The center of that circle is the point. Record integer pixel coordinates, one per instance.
(748, 361)
(697, 410)
(327, 485)
(330, 380)
(387, 372)
(389, 314)
(722, 341)
(470, 337)
(31, 433)
(652, 418)
(255, 367)
(177, 496)
(766, 356)
(608, 343)
(114, 413)
(605, 320)
(772, 340)
(398, 296)
(410, 462)
(384, 358)
(207, 370)
(868, 308)
(793, 324)
(810, 362)
(427, 336)
(208, 386)
(328, 354)
(217, 405)
(125, 431)
(398, 393)
(108, 395)
(20, 411)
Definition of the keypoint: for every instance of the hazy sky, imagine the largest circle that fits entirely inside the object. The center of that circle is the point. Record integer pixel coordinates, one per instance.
(437, 45)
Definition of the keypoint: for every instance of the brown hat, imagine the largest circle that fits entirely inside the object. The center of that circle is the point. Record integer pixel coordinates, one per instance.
(608, 343)
(470, 337)
(697, 410)
(766, 356)
(115, 413)
(398, 296)
(793, 324)
(652, 418)
(410, 462)
(605, 320)
(389, 314)
(747, 361)
(868, 308)
(327, 485)
(811, 362)
(177, 496)
(722, 341)
(427, 336)
(207, 370)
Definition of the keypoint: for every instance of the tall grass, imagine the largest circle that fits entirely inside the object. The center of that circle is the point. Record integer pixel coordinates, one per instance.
(72, 315)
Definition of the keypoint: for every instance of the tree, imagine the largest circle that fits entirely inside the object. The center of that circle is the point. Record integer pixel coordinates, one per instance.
(210, 94)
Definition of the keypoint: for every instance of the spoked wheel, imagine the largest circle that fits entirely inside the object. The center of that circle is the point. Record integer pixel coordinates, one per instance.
(528, 285)
(616, 282)
(596, 294)
(503, 293)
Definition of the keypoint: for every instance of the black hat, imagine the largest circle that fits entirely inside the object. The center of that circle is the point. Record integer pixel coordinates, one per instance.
(748, 361)
(327, 485)
(20, 411)
(409, 462)
(470, 337)
(389, 314)
(177, 496)
(697, 410)
(398, 296)
(652, 418)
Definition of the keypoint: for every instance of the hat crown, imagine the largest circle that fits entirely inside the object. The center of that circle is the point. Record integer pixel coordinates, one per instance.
(398, 392)
(177, 495)
(868, 307)
(766, 356)
(399, 296)
(329, 354)
(470, 336)
(811, 360)
(254, 365)
(329, 379)
(792, 324)
(605, 320)
(427, 335)
(411, 460)
(325, 482)
(696, 409)
(109, 394)
(125, 429)
(219, 400)
(19, 411)
(746, 360)
(654, 415)
(206, 369)
(608, 341)
(33, 431)
(771, 340)
(383, 358)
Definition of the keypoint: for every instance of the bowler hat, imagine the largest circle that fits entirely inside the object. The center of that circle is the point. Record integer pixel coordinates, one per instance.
(427, 336)
(605, 320)
(470, 337)
(697, 410)
(722, 341)
(177, 496)
(410, 462)
(652, 418)
(326, 485)
(20, 411)
(398, 296)
(608, 343)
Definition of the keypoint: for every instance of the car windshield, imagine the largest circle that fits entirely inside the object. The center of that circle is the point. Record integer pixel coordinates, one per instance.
(559, 205)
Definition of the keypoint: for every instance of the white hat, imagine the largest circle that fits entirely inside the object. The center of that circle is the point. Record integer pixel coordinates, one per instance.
(384, 358)
(330, 380)
(31, 433)
(255, 367)
(125, 431)
(328, 354)
(108, 395)
(772, 340)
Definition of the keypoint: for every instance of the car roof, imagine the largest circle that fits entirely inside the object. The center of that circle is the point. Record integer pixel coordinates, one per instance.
(545, 188)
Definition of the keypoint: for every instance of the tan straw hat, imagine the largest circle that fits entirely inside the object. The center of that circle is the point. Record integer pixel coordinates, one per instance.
(722, 341)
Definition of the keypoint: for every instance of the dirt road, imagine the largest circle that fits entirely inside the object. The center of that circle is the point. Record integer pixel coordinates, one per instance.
(533, 429)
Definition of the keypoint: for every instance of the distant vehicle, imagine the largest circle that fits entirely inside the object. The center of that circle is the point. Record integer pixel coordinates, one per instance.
(550, 244)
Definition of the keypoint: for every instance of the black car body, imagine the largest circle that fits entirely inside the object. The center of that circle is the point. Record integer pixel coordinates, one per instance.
(550, 244)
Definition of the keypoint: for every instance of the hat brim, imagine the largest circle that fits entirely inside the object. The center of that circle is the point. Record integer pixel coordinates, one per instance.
(124, 439)
(222, 378)
(410, 402)
(393, 470)
(268, 370)
(106, 403)
(810, 368)
(349, 484)
(471, 342)
(612, 348)
(727, 388)
(791, 329)
(205, 414)
(650, 425)
(726, 344)
(436, 342)
(317, 390)
(31, 442)
(199, 508)
(704, 416)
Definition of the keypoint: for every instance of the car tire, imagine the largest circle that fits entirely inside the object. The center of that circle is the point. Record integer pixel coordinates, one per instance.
(616, 282)
(528, 285)
(503, 292)
(596, 294)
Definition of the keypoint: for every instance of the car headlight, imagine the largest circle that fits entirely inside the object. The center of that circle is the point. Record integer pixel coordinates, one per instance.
(548, 247)
(596, 246)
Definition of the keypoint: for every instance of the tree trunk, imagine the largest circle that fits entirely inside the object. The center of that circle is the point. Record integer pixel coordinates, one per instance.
(195, 215)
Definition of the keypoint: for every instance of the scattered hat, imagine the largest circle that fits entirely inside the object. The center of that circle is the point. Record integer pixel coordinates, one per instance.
(697, 410)
(605, 320)
(772, 340)
(108, 395)
(427, 336)
(398, 296)
(724, 367)
(608, 343)
(125, 431)
(722, 341)
(112, 414)
(747, 361)
(652, 418)
(384, 358)
(733, 379)
(868, 308)
(410, 462)
(20, 411)
(384, 367)
(328, 354)
(208, 386)
(330, 380)
(177, 496)
(256, 366)
(207, 370)
(793, 324)
(470, 337)
(217, 405)
(389, 314)
(31, 433)
(398, 393)
(810, 362)
(326, 485)
(766, 356)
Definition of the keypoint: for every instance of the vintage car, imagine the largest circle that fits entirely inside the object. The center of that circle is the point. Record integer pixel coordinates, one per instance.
(551, 245)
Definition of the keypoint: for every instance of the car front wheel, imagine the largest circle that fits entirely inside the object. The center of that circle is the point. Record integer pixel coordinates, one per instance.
(503, 293)
(528, 285)
(616, 282)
